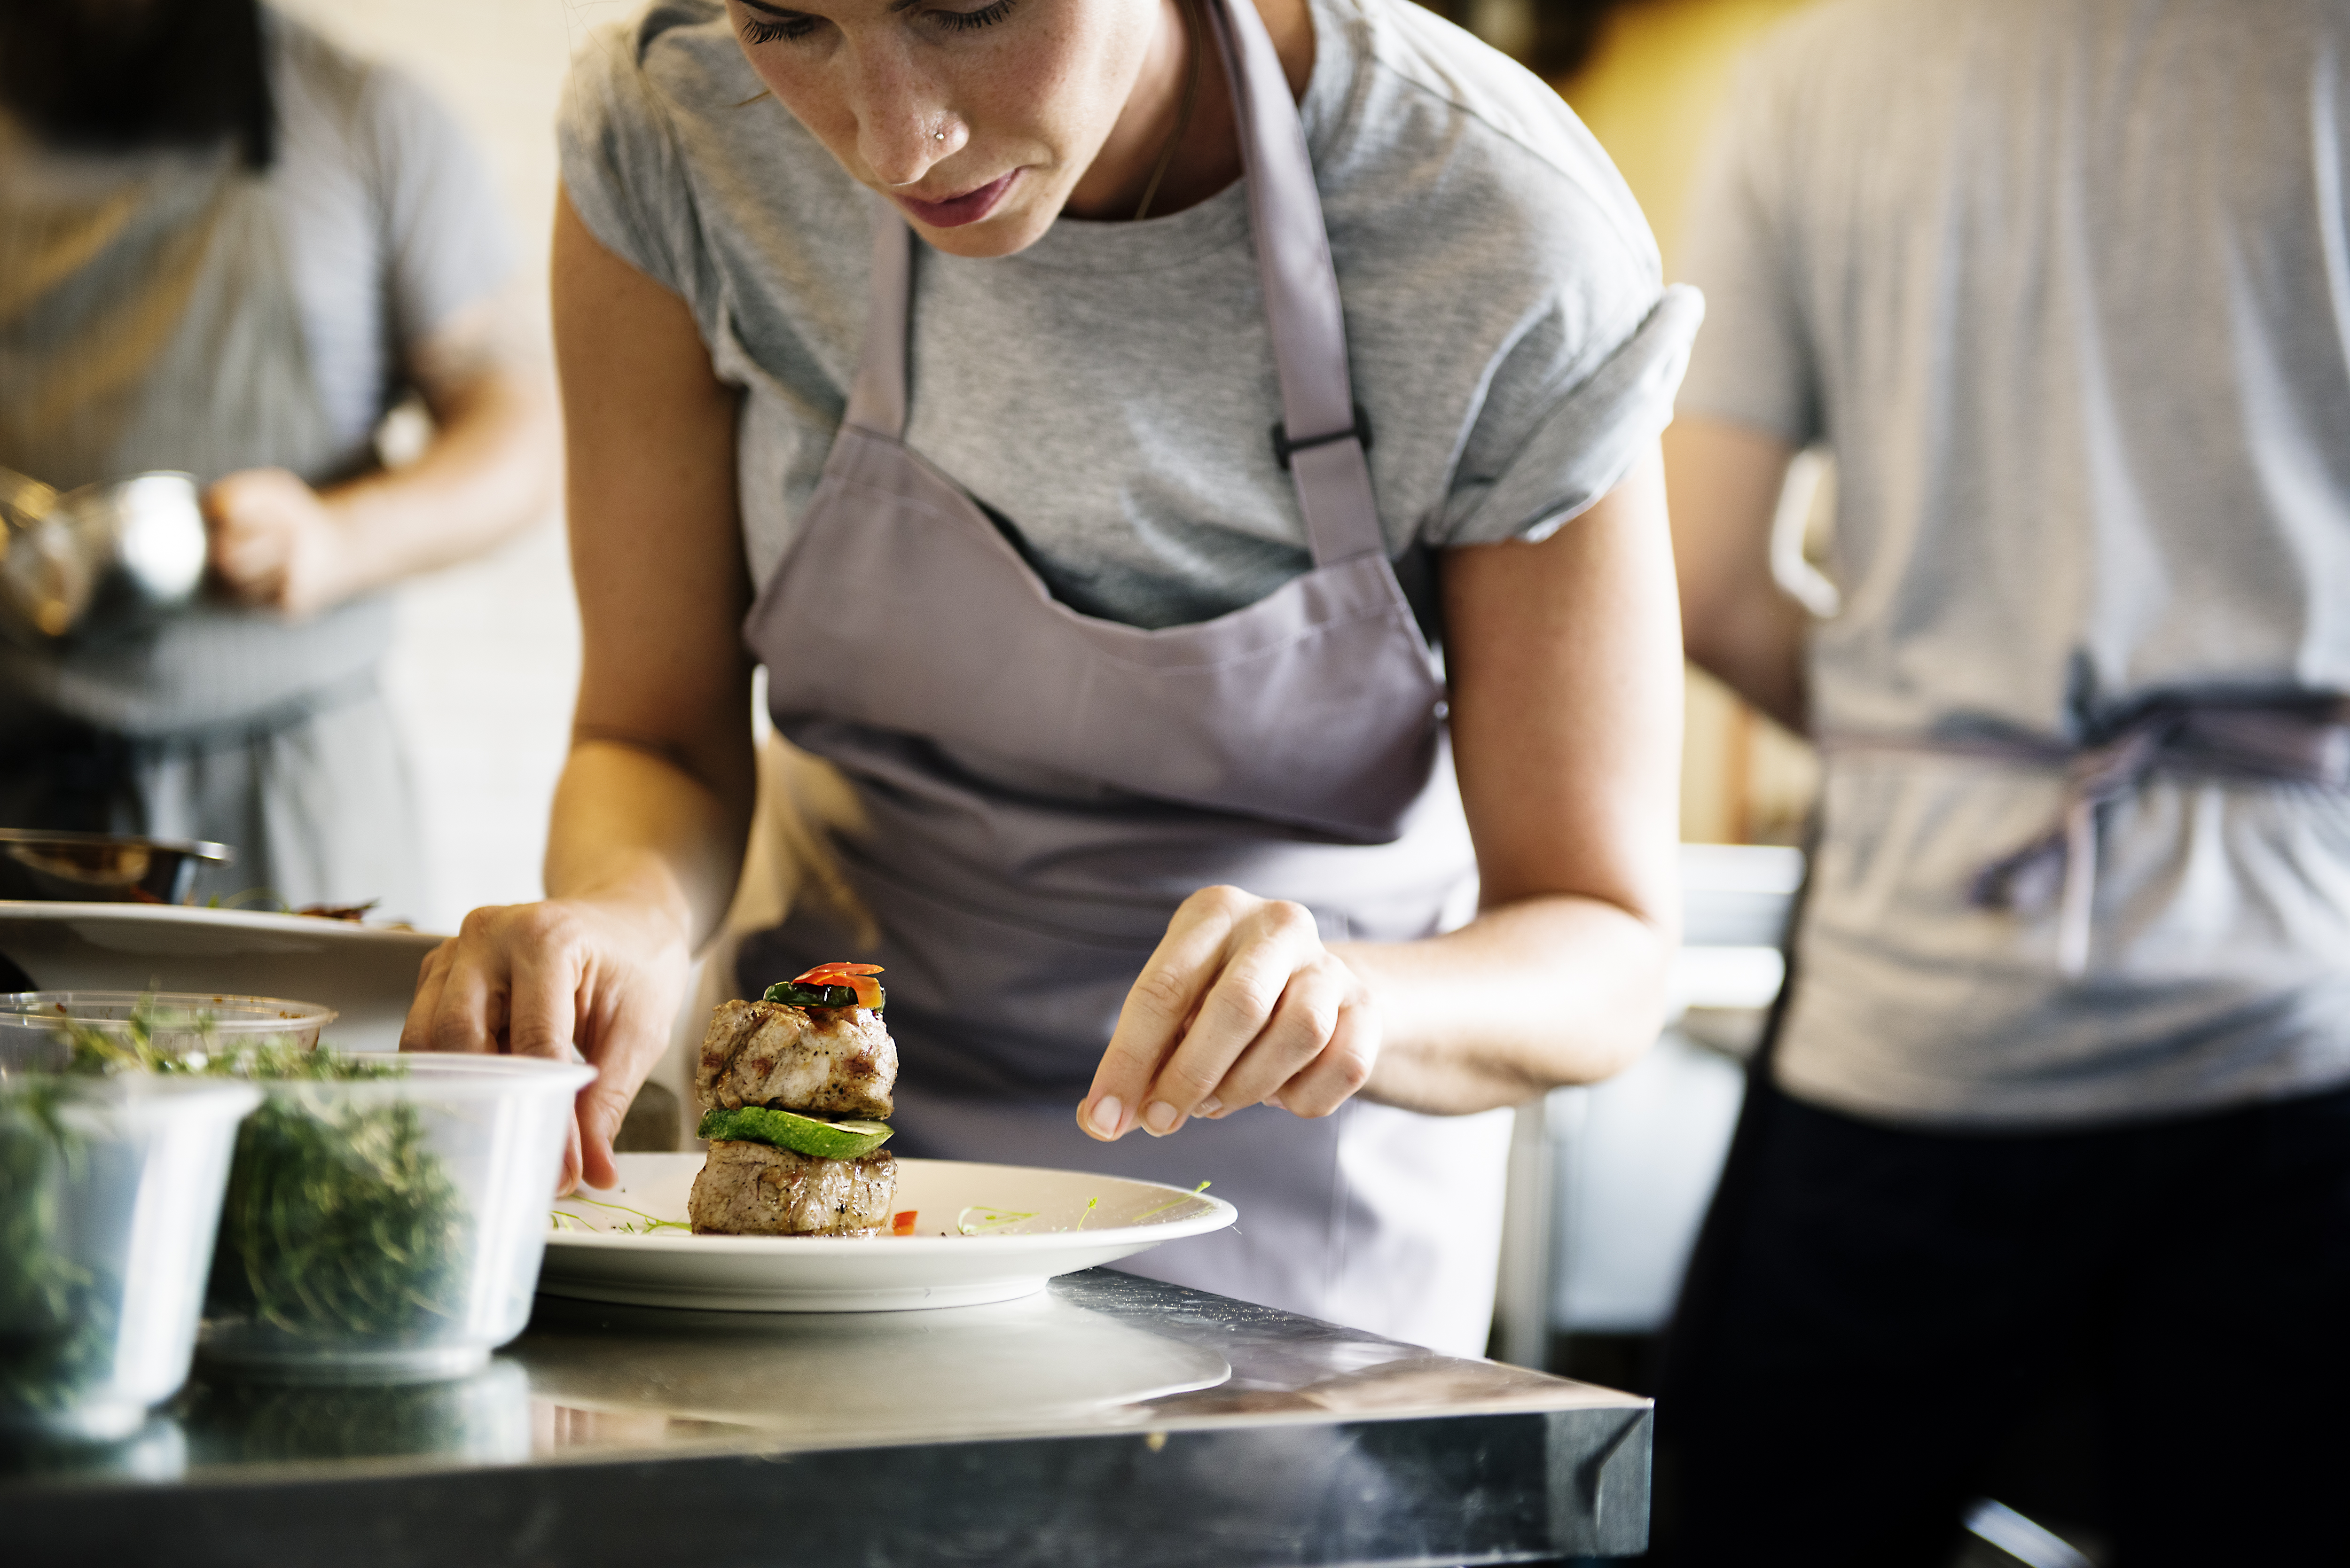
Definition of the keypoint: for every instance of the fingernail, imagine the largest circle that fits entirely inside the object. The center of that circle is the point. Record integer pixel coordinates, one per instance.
(1208, 1108)
(1160, 1117)
(1107, 1110)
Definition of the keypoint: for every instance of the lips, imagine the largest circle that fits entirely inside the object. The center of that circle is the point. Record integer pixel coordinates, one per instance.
(957, 211)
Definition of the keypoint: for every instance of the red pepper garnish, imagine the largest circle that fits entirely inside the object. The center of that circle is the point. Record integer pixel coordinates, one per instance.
(856, 977)
(903, 1224)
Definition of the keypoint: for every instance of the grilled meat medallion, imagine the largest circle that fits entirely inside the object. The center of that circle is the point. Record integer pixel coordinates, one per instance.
(754, 1189)
(822, 1061)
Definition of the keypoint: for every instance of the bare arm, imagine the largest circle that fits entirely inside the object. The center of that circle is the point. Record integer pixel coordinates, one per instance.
(1565, 671)
(654, 806)
(488, 472)
(1566, 704)
(657, 800)
(1736, 622)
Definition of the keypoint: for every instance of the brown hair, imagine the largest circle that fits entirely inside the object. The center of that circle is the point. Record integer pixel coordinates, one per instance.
(114, 75)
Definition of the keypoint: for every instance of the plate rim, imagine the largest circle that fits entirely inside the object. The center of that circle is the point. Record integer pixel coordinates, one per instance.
(1220, 1213)
(59, 911)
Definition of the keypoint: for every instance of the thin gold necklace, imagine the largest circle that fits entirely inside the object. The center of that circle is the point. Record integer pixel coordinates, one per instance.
(1184, 118)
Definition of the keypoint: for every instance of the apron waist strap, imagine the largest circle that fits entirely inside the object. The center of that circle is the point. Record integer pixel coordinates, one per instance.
(2303, 738)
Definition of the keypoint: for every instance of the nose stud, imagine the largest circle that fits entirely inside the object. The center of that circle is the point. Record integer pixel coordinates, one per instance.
(938, 135)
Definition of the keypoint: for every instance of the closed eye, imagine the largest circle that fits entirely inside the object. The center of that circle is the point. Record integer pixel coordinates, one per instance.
(770, 24)
(784, 24)
(985, 17)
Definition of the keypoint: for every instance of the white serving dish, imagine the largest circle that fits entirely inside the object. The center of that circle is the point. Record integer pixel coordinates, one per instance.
(366, 973)
(1073, 1220)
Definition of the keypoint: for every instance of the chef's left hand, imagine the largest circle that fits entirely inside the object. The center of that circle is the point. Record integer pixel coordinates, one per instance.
(276, 544)
(1240, 1006)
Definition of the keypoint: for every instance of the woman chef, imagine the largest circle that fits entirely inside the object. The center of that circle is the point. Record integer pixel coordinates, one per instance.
(1187, 468)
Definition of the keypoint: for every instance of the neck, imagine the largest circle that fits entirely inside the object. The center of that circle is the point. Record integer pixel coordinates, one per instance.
(1208, 158)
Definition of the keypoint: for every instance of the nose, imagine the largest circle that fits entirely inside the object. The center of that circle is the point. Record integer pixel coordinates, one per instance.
(902, 125)
(901, 157)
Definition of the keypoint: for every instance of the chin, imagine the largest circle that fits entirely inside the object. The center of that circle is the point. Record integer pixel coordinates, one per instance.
(997, 234)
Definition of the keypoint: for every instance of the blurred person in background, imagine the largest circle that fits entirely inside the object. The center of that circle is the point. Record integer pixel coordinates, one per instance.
(228, 247)
(2058, 1086)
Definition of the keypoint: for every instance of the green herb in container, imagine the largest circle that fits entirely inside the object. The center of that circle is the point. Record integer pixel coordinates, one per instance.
(341, 1220)
(56, 1314)
(111, 1186)
(384, 1219)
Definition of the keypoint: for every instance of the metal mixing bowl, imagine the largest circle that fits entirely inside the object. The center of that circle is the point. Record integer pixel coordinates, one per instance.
(101, 868)
(97, 558)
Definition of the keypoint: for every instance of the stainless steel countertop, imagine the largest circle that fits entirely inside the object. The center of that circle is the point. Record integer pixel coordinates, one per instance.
(1108, 1414)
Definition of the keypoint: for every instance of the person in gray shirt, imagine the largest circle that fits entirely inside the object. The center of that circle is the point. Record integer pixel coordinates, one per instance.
(1186, 468)
(229, 247)
(2060, 286)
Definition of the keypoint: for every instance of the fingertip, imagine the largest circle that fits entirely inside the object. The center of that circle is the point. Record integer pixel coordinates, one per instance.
(1103, 1119)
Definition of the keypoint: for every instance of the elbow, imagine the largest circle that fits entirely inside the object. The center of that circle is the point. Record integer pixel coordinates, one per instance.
(1645, 1004)
(1625, 993)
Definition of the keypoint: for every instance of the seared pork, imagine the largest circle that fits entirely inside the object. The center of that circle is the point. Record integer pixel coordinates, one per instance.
(753, 1190)
(821, 1061)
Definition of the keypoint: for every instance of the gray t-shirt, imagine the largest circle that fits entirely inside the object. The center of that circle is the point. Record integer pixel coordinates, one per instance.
(1109, 391)
(136, 301)
(2061, 285)
(385, 215)
(391, 221)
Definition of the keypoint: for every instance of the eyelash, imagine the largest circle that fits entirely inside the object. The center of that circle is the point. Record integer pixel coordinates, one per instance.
(985, 17)
(756, 32)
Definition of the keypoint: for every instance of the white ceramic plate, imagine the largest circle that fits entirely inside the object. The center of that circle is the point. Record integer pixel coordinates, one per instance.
(1006, 1228)
(366, 973)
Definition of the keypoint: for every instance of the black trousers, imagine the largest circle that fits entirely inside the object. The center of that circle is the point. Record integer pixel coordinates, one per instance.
(1873, 1311)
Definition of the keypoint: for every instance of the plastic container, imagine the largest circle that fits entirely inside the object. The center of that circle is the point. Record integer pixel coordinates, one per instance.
(33, 1024)
(110, 1193)
(389, 1230)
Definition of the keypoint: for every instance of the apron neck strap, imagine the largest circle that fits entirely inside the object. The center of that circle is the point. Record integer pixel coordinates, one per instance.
(1322, 434)
(876, 402)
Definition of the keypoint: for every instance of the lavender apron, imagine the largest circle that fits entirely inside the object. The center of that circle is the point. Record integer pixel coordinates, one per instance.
(1038, 790)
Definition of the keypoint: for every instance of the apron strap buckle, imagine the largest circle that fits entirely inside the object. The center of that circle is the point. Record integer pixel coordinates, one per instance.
(1283, 446)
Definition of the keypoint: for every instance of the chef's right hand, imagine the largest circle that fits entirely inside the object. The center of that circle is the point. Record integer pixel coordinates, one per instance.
(539, 980)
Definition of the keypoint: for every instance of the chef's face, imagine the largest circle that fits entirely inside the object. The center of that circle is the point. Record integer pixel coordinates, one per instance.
(977, 117)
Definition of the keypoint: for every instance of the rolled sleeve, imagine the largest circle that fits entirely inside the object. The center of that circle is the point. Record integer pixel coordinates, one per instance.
(619, 161)
(1586, 439)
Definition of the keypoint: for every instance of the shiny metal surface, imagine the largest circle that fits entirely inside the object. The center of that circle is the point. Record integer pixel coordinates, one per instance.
(1113, 1419)
(101, 868)
(99, 557)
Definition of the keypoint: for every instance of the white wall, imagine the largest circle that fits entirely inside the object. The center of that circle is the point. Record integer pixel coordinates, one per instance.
(489, 652)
